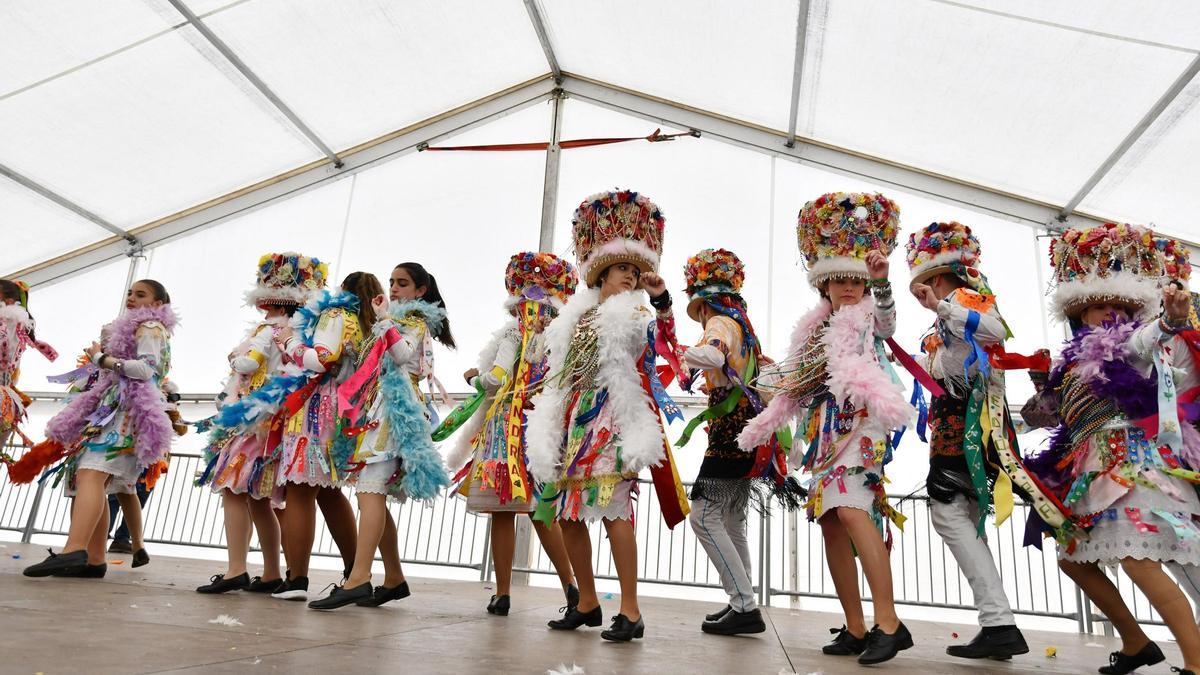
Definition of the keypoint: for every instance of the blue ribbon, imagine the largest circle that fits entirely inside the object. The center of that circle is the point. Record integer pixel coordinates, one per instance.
(665, 403)
(585, 417)
(977, 354)
(917, 401)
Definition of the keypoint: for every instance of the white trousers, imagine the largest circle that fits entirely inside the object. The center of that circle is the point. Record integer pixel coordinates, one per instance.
(955, 523)
(722, 532)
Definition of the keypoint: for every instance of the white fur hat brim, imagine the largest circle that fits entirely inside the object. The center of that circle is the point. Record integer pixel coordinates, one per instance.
(291, 295)
(514, 300)
(1142, 294)
(939, 264)
(837, 267)
(617, 251)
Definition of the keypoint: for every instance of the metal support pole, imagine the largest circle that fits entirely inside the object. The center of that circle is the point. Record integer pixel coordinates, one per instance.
(764, 583)
(485, 570)
(27, 534)
(797, 73)
(550, 183)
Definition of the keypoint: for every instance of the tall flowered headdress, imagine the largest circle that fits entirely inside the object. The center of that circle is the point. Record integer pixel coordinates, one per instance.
(542, 277)
(941, 248)
(710, 273)
(1111, 263)
(615, 227)
(837, 230)
(287, 278)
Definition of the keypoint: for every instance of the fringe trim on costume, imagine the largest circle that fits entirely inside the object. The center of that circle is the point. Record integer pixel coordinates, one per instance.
(739, 493)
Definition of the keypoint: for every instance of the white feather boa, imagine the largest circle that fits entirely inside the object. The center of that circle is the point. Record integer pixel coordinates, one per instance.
(854, 373)
(621, 324)
(487, 358)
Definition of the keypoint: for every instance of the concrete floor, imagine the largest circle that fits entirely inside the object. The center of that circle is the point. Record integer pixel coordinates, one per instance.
(150, 620)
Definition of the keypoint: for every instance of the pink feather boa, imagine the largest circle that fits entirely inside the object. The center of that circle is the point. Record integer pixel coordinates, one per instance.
(854, 373)
(142, 399)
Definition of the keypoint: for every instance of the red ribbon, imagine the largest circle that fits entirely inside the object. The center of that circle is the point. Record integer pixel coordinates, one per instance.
(915, 369)
(368, 369)
(1038, 362)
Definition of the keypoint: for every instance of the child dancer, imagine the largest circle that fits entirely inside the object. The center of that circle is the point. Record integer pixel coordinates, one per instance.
(729, 353)
(491, 450)
(113, 428)
(388, 429)
(596, 423)
(849, 402)
(237, 463)
(1120, 459)
(964, 447)
(16, 333)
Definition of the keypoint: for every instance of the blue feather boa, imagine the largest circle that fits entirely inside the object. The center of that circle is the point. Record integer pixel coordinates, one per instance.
(433, 315)
(424, 473)
(304, 321)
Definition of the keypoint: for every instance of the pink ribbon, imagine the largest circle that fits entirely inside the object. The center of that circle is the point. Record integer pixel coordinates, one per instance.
(915, 369)
(368, 369)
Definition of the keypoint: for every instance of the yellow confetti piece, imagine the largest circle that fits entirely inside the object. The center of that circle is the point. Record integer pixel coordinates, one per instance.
(1051, 652)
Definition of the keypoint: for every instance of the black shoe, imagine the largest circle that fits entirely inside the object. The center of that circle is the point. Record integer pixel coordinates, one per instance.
(993, 642)
(575, 618)
(222, 585)
(140, 557)
(293, 589)
(383, 594)
(257, 585)
(736, 623)
(883, 647)
(341, 596)
(844, 643)
(89, 572)
(1182, 671)
(59, 564)
(572, 597)
(120, 546)
(1119, 664)
(624, 630)
(716, 616)
(499, 605)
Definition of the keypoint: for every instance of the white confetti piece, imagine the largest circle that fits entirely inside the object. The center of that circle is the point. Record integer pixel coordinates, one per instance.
(563, 669)
(226, 620)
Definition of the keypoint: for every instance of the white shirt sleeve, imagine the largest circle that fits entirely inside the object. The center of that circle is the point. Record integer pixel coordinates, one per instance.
(151, 353)
(704, 357)
(954, 316)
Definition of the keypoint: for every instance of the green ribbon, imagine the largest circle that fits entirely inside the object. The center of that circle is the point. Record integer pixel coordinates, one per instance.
(719, 410)
(461, 414)
(545, 509)
(973, 450)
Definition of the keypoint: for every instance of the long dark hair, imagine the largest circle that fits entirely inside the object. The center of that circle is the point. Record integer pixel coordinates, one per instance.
(160, 291)
(9, 290)
(366, 286)
(421, 277)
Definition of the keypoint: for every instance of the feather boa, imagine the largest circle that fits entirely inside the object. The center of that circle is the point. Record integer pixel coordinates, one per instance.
(424, 475)
(142, 399)
(620, 323)
(487, 358)
(305, 320)
(854, 373)
(433, 315)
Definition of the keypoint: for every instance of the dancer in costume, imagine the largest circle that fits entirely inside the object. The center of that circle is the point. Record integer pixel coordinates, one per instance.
(494, 473)
(837, 383)
(16, 333)
(965, 429)
(324, 342)
(1120, 460)
(729, 353)
(237, 464)
(113, 426)
(388, 450)
(596, 423)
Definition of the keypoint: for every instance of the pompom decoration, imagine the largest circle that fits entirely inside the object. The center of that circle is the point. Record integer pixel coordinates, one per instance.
(615, 227)
(287, 278)
(837, 230)
(1110, 263)
(1177, 259)
(542, 277)
(938, 248)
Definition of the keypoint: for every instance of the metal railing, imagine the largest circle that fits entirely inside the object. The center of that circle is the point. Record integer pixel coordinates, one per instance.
(788, 555)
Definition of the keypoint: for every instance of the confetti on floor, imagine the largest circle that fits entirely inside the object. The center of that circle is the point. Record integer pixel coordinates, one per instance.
(226, 620)
(563, 669)
(1051, 652)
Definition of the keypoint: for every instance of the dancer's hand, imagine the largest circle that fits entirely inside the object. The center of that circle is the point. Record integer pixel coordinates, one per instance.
(379, 303)
(1177, 303)
(925, 295)
(93, 350)
(652, 284)
(471, 374)
(877, 264)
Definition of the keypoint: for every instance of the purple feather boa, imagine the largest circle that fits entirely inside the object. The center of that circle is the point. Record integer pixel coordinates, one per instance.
(142, 399)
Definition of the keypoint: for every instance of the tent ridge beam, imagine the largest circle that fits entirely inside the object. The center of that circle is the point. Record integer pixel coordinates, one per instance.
(543, 36)
(257, 82)
(1160, 106)
(47, 193)
(797, 71)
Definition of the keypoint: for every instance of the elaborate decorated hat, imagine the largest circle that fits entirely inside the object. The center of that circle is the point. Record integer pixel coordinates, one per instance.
(287, 279)
(713, 271)
(615, 227)
(1113, 263)
(939, 248)
(1177, 259)
(837, 230)
(541, 277)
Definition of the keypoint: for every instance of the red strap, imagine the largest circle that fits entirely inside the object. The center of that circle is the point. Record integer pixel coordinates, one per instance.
(1038, 362)
(915, 369)
(655, 137)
